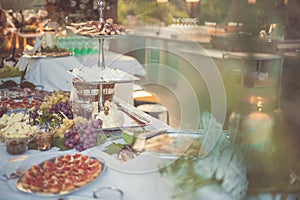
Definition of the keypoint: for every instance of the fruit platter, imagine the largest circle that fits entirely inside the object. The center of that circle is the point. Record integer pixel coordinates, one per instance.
(74, 129)
(60, 175)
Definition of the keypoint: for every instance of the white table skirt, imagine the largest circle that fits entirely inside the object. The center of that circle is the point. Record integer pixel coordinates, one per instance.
(52, 73)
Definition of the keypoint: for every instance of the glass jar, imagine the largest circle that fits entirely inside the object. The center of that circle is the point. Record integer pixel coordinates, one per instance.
(16, 146)
(44, 141)
(50, 38)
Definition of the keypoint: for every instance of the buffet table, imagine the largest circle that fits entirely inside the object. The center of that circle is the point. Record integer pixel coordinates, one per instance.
(141, 185)
(138, 178)
(132, 177)
(135, 186)
(52, 72)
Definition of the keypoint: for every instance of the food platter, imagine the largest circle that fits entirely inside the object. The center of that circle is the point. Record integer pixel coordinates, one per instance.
(61, 175)
(163, 144)
(97, 36)
(124, 117)
(175, 143)
(96, 29)
(48, 54)
(17, 93)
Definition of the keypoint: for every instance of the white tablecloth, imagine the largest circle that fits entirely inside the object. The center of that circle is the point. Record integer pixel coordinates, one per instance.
(145, 186)
(52, 73)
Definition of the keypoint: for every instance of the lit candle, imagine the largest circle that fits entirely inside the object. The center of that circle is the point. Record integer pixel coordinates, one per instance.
(256, 138)
(257, 128)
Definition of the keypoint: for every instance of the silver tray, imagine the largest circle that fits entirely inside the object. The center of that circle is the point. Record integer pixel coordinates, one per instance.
(184, 140)
(133, 118)
(98, 36)
(48, 55)
(130, 78)
(21, 188)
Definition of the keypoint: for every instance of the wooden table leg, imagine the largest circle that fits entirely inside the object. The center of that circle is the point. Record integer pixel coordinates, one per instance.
(24, 43)
(10, 41)
(17, 42)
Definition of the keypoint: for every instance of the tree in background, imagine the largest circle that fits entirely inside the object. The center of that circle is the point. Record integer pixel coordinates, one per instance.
(255, 17)
(149, 12)
(218, 11)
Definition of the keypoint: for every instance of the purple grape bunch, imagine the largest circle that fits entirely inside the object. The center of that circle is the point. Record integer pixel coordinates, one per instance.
(64, 108)
(83, 135)
(34, 114)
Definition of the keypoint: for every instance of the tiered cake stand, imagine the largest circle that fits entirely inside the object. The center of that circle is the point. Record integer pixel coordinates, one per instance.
(105, 87)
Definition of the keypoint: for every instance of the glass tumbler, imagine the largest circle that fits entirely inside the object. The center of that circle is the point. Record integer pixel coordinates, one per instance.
(44, 140)
(108, 193)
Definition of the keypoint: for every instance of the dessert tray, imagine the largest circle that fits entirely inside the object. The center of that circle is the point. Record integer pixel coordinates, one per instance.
(96, 29)
(101, 30)
(60, 175)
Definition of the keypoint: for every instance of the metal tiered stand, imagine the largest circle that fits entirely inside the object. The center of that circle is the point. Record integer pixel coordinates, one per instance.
(102, 90)
(101, 62)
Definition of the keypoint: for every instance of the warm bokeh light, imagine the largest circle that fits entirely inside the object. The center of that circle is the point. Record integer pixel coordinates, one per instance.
(251, 1)
(192, 0)
(161, 1)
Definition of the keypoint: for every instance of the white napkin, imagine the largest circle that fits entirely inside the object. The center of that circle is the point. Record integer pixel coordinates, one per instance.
(12, 165)
(38, 44)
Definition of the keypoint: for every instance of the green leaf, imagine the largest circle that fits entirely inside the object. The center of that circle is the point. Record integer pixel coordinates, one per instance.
(59, 142)
(113, 148)
(128, 138)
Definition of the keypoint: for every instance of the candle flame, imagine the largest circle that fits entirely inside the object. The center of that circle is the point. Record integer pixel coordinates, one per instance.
(258, 100)
(259, 105)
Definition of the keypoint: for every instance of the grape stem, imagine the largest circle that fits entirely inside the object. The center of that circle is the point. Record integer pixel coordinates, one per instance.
(63, 115)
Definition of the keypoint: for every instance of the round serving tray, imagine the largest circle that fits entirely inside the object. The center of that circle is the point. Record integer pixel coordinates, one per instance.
(21, 188)
(98, 36)
(129, 78)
